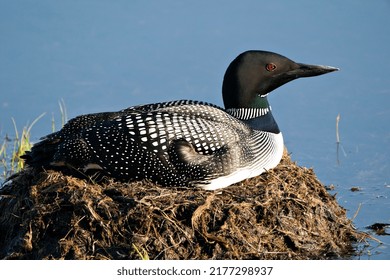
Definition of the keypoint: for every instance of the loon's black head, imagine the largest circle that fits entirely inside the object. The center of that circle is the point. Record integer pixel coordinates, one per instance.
(253, 74)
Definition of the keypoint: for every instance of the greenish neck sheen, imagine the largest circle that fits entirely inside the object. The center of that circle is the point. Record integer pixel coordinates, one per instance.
(260, 102)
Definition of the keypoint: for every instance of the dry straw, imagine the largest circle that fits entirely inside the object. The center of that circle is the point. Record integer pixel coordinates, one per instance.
(283, 214)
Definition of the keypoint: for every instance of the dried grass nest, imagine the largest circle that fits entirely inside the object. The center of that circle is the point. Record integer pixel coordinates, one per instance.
(285, 213)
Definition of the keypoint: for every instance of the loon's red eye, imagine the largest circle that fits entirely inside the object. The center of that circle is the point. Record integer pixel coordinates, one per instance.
(270, 67)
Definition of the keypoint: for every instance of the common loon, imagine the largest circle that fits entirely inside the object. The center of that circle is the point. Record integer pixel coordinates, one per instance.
(183, 143)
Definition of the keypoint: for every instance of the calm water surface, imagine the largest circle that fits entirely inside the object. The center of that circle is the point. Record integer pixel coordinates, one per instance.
(102, 56)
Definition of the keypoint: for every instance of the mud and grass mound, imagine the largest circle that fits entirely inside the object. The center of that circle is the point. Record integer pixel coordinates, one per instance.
(283, 214)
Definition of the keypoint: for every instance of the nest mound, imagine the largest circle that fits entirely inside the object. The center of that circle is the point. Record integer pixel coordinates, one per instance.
(285, 213)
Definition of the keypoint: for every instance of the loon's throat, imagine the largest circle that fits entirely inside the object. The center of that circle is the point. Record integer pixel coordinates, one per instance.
(257, 118)
(248, 113)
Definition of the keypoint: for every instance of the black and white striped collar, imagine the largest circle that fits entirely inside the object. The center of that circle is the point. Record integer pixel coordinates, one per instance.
(248, 113)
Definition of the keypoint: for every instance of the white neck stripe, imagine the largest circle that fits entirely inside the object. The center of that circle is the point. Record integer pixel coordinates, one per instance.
(248, 113)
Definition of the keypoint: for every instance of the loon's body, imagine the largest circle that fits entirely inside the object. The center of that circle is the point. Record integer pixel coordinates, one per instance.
(183, 143)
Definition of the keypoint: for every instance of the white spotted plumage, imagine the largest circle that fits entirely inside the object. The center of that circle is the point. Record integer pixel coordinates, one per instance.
(139, 142)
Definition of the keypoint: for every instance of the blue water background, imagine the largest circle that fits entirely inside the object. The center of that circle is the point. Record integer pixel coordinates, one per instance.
(107, 55)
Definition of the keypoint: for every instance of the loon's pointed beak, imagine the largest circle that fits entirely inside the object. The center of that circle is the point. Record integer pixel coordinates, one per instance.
(299, 70)
(307, 70)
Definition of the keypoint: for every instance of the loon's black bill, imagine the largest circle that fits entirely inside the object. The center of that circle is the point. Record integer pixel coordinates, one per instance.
(307, 70)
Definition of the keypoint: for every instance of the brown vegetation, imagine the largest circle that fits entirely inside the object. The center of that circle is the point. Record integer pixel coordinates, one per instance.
(285, 213)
